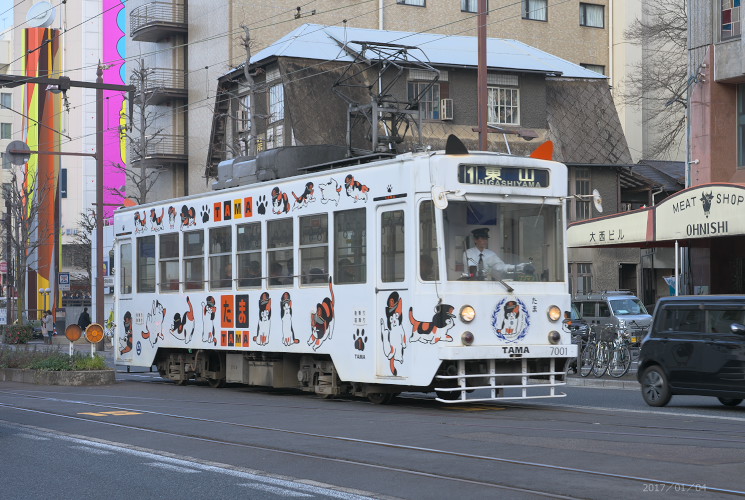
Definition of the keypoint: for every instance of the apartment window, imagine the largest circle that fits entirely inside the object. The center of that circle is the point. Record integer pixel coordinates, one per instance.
(169, 270)
(472, 6)
(741, 125)
(244, 113)
(6, 131)
(591, 15)
(63, 183)
(582, 188)
(276, 103)
(597, 68)
(730, 19)
(350, 242)
(279, 243)
(6, 100)
(194, 260)
(418, 3)
(580, 278)
(314, 249)
(248, 240)
(146, 264)
(504, 105)
(428, 94)
(537, 10)
(221, 258)
(6, 161)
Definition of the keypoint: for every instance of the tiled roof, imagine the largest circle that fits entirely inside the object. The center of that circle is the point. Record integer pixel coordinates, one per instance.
(584, 124)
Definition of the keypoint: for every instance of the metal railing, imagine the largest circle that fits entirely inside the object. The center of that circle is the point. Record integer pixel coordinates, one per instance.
(155, 13)
(162, 78)
(162, 146)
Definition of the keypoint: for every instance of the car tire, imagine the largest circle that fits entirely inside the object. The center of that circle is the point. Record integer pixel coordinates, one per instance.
(655, 388)
(730, 401)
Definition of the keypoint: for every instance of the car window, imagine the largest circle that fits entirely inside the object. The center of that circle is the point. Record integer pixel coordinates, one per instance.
(603, 310)
(575, 312)
(588, 309)
(721, 319)
(628, 306)
(683, 320)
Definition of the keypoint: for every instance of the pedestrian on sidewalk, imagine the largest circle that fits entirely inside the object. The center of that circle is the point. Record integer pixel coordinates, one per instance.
(47, 326)
(84, 319)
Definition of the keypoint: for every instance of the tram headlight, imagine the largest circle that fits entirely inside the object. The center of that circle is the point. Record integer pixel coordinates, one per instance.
(554, 337)
(467, 314)
(467, 338)
(554, 313)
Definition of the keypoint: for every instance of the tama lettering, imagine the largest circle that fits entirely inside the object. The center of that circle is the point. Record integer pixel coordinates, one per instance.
(707, 228)
(515, 350)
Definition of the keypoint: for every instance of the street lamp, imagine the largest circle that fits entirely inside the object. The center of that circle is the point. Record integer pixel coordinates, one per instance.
(44, 292)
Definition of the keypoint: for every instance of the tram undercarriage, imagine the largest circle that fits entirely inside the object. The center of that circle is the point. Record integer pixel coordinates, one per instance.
(454, 381)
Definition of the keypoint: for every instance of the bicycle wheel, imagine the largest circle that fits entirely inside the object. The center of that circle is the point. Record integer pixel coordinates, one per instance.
(587, 359)
(620, 361)
(601, 360)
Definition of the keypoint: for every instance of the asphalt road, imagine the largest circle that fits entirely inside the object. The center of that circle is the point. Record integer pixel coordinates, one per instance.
(147, 438)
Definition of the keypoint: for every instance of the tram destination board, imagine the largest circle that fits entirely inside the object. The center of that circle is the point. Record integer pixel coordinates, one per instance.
(503, 176)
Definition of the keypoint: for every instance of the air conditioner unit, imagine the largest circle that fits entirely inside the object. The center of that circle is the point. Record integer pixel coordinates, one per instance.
(446, 107)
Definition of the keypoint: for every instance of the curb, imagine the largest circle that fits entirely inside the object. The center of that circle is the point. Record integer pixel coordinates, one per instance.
(604, 383)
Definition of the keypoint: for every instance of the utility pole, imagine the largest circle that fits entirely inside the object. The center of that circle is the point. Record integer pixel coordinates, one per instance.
(481, 78)
(8, 258)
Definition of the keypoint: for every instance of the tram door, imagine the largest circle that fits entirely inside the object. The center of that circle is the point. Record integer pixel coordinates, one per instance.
(391, 288)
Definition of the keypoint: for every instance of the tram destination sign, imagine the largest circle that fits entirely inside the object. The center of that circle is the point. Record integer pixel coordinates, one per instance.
(491, 175)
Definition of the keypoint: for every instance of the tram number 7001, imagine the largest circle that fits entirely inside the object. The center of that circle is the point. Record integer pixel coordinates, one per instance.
(559, 351)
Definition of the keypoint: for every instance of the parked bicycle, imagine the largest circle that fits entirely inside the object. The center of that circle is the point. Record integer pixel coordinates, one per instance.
(619, 360)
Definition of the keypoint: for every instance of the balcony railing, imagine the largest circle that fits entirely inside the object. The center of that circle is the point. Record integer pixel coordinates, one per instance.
(156, 20)
(162, 147)
(162, 84)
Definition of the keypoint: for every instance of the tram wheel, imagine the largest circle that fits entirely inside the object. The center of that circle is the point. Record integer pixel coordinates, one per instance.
(380, 398)
(216, 382)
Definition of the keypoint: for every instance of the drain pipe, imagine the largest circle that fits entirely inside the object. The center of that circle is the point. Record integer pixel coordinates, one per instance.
(381, 12)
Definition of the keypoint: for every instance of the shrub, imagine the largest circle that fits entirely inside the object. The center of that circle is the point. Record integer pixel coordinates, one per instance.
(49, 360)
(18, 334)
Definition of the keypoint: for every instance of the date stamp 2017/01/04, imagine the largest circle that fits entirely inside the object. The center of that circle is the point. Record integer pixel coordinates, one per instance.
(671, 487)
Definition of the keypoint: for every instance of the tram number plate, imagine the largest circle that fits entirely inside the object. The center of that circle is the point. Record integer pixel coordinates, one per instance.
(490, 175)
(559, 351)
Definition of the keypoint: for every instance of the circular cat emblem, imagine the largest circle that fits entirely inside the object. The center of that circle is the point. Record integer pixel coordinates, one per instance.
(511, 319)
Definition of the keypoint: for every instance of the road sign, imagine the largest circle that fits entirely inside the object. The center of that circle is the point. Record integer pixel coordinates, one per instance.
(63, 280)
(18, 152)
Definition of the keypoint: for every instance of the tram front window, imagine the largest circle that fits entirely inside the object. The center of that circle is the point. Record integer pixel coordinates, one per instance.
(487, 241)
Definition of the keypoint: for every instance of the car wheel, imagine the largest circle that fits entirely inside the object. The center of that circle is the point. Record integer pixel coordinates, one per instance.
(730, 401)
(655, 389)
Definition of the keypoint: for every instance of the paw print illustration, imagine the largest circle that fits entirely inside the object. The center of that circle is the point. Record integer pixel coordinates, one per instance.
(359, 339)
(390, 188)
(205, 213)
(261, 205)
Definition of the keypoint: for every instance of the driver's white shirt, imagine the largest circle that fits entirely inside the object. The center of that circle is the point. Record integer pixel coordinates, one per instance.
(492, 263)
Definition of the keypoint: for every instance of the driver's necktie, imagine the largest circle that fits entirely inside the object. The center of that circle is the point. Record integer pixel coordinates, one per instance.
(480, 268)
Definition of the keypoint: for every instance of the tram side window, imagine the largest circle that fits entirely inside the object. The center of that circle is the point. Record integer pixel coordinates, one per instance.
(169, 268)
(221, 258)
(248, 240)
(279, 252)
(314, 249)
(350, 244)
(194, 260)
(146, 264)
(125, 268)
(429, 267)
(392, 244)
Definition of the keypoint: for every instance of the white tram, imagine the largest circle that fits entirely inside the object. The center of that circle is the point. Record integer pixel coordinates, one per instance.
(351, 279)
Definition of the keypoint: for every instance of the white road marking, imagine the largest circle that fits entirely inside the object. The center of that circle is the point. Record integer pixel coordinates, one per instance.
(95, 451)
(276, 491)
(34, 437)
(173, 468)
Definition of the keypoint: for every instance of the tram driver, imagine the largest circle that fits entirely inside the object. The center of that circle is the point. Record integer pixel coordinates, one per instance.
(483, 264)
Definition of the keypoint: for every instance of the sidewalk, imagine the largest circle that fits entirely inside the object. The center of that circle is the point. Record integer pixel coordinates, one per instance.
(627, 382)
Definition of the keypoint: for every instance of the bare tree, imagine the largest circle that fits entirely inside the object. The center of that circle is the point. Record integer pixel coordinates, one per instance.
(660, 81)
(143, 136)
(25, 193)
(81, 247)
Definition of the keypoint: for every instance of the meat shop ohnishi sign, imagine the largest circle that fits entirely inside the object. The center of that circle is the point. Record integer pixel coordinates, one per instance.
(703, 211)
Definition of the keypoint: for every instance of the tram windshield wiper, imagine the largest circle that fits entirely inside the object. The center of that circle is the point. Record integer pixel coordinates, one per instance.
(508, 287)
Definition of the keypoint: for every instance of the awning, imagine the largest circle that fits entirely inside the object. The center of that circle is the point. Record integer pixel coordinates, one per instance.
(703, 211)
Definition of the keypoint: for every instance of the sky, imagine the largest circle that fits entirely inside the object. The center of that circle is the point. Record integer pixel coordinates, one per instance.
(6, 18)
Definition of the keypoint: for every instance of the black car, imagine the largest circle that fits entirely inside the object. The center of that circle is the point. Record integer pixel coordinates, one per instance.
(696, 345)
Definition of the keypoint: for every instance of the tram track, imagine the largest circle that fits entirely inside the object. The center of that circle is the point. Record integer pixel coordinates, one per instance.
(584, 472)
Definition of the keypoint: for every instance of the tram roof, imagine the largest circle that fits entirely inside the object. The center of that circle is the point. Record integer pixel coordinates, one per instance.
(321, 42)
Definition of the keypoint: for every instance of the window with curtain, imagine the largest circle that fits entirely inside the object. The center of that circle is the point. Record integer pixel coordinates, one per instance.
(472, 6)
(582, 187)
(536, 10)
(731, 27)
(591, 15)
(504, 105)
(597, 68)
(418, 3)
